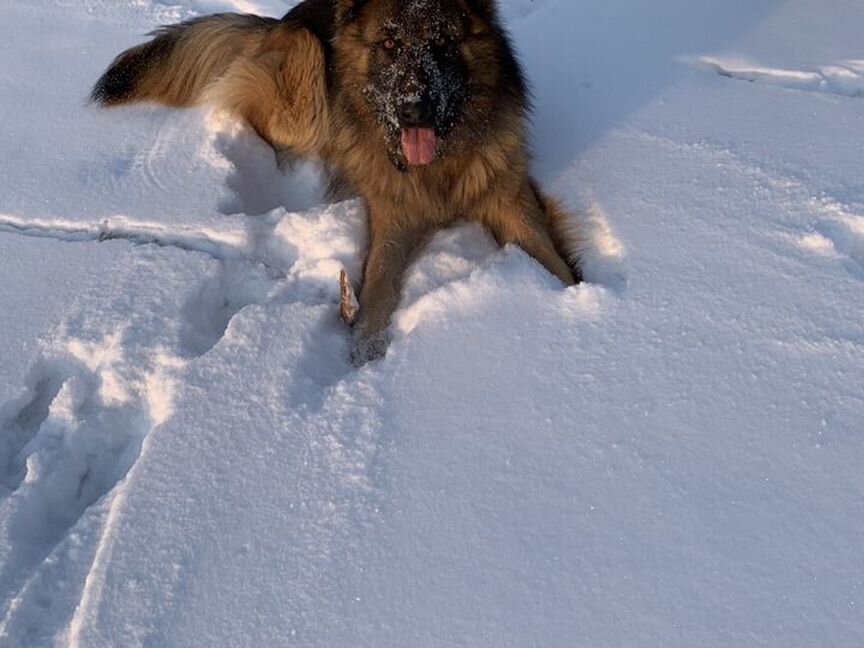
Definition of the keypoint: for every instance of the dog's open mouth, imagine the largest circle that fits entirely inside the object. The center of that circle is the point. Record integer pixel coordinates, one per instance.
(418, 145)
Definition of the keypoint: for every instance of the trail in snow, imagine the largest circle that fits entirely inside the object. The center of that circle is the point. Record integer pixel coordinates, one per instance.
(95, 393)
(846, 78)
(218, 244)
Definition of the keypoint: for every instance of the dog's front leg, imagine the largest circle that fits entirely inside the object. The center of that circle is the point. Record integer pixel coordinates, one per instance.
(393, 243)
(523, 220)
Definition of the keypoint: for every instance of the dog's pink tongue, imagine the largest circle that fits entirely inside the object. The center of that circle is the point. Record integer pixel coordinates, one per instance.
(418, 145)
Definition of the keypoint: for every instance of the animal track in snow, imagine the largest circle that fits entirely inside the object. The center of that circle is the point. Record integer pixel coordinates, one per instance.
(220, 297)
(845, 78)
(101, 386)
(20, 425)
(82, 430)
(838, 233)
(104, 380)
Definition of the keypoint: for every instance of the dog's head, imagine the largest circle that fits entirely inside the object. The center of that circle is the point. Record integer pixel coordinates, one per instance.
(429, 75)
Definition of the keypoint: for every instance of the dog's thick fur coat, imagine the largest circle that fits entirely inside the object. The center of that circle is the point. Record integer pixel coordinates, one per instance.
(418, 105)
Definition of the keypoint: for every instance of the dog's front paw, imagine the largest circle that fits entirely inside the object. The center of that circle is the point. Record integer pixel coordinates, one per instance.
(368, 347)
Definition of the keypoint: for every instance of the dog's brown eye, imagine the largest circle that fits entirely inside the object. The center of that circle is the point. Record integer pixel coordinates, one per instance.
(441, 41)
(389, 44)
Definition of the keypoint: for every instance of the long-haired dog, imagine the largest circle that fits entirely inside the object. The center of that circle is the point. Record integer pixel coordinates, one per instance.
(419, 106)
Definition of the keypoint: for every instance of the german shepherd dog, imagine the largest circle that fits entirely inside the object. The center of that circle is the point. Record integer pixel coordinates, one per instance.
(419, 106)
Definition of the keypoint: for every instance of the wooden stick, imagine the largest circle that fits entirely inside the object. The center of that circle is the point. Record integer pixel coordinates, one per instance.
(348, 305)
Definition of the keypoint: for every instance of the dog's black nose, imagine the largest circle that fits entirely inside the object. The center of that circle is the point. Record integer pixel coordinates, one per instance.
(413, 114)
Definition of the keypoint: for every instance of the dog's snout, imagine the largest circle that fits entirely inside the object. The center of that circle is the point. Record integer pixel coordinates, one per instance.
(415, 113)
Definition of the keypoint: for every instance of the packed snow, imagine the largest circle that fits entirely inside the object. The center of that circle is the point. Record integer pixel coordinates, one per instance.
(667, 455)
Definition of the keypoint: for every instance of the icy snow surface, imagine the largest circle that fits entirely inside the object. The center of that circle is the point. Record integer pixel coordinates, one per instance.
(668, 455)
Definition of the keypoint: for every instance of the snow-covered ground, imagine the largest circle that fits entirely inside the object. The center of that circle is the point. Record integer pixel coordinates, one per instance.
(668, 455)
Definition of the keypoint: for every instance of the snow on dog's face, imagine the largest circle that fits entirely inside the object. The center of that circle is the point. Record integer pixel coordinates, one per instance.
(425, 73)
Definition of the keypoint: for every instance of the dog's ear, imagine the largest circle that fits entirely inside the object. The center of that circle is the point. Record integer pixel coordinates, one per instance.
(348, 10)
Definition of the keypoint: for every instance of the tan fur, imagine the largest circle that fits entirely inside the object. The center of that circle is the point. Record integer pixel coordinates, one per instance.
(273, 76)
(278, 87)
(195, 56)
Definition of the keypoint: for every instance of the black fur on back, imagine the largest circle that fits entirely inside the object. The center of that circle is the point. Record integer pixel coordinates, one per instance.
(319, 17)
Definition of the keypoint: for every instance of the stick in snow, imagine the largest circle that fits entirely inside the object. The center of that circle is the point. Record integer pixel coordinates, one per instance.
(348, 305)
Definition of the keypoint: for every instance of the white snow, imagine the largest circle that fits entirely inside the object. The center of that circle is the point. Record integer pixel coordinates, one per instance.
(668, 455)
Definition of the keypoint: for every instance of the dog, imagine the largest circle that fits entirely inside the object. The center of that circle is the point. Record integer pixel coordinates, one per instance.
(418, 106)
